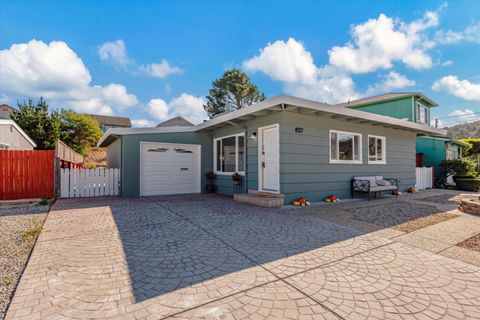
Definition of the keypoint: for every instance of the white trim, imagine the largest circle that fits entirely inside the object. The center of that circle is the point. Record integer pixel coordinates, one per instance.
(16, 126)
(259, 155)
(221, 173)
(286, 101)
(199, 162)
(360, 155)
(384, 149)
(418, 109)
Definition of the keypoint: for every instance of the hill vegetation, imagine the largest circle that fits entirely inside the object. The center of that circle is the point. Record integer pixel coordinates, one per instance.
(465, 130)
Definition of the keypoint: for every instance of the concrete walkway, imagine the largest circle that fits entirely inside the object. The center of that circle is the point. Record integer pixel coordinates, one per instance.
(206, 257)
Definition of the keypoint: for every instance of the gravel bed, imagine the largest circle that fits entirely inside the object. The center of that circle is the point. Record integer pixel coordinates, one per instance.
(19, 228)
(392, 214)
(424, 222)
(472, 243)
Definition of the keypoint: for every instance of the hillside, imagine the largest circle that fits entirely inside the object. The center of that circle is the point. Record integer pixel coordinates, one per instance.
(466, 130)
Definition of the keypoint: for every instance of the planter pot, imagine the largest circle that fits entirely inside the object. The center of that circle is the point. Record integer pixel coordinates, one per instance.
(466, 184)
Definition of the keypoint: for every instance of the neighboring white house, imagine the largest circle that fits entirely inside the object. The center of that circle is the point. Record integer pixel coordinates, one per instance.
(12, 137)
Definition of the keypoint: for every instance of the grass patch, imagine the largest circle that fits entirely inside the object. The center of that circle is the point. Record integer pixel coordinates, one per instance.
(43, 202)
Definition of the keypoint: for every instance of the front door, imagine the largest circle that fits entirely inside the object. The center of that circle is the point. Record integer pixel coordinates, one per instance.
(269, 153)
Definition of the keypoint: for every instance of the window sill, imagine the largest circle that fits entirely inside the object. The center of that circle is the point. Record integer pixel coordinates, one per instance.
(345, 162)
(228, 173)
(377, 162)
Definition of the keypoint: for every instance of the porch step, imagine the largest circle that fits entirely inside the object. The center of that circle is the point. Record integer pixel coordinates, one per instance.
(261, 198)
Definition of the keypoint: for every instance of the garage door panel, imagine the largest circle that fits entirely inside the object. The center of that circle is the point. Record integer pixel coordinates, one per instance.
(169, 169)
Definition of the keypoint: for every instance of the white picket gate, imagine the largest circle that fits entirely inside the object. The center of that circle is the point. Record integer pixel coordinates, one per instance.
(76, 183)
(424, 178)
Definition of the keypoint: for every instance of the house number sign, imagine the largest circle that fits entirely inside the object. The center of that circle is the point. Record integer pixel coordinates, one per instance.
(298, 130)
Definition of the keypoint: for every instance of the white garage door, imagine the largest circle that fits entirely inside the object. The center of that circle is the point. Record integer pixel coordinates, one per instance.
(169, 168)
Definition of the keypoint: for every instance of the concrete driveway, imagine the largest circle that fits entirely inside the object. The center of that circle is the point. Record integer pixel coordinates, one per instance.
(207, 257)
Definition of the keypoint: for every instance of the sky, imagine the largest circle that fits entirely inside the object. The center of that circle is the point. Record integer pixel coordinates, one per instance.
(153, 60)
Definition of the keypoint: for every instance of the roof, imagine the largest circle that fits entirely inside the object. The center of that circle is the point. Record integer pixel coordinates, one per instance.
(7, 106)
(282, 103)
(112, 121)
(6, 111)
(387, 97)
(13, 123)
(175, 122)
(447, 139)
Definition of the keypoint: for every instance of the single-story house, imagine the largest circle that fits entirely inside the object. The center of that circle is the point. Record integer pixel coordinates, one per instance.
(433, 150)
(286, 145)
(12, 137)
(109, 122)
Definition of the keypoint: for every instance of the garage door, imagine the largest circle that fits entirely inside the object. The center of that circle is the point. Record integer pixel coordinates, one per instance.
(169, 168)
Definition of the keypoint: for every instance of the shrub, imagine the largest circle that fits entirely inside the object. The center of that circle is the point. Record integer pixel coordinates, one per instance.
(459, 167)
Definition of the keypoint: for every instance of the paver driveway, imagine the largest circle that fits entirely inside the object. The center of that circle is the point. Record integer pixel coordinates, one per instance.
(204, 256)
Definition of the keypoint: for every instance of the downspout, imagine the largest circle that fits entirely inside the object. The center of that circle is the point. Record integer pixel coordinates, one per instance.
(246, 159)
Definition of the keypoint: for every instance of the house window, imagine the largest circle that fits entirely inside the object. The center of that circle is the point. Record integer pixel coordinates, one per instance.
(229, 154)
(376, 149)
(345, 147)
(422, 114)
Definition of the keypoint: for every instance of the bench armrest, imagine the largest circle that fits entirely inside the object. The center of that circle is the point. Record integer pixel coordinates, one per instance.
(393, 181)
(361, 185)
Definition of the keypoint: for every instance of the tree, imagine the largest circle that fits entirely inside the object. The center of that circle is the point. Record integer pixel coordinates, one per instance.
(41, 126)
(79, 131)
(233, 89)
(473, 148)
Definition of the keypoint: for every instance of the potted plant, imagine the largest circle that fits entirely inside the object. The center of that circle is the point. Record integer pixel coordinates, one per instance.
(211, 187)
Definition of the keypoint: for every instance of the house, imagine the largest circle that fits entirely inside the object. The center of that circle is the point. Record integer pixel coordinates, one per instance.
(12, 137)
(286, 145)
(109, 122)
(6, 111)
(414, 107)
(176, 122)
(433, 150)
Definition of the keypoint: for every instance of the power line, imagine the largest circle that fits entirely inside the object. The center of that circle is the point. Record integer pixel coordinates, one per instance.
(458, 116)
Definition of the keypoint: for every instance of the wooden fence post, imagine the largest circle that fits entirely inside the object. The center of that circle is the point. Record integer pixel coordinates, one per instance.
(57, 177)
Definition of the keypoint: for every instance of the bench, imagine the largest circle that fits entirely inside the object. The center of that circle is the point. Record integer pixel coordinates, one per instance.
(374, 185)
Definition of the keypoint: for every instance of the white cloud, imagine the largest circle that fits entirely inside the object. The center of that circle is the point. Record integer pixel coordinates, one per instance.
(142, 123)
(469, 34)
(463, 89)
(159, 70)
(55, 72)
(290, 63)
(284, 61)
(115, 52)
(446, 63)
(465, 115)
(185, 105)
(391, 81)
(378, 43)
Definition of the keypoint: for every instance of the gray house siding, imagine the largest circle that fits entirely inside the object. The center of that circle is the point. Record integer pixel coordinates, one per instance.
(304, 158)
(131, 156)
(10, 136)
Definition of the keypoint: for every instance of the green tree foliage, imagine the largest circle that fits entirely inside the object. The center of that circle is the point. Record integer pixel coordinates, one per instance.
(79, 131)
(459, 167)
(42, 126)
(473, 148)
(233, 89)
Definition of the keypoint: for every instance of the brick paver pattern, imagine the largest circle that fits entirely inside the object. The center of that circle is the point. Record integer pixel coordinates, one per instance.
(207, 257)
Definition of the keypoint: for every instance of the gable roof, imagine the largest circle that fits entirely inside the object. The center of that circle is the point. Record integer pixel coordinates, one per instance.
(387, 97)
(279, 104)
(175, 122)
(13, 123)
(112, 121)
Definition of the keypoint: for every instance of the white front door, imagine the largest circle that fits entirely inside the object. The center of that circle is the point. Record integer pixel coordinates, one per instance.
(169, 168)
(269, 156)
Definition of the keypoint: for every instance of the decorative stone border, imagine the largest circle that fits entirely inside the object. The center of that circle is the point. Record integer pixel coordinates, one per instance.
(471, 206)
(259, 198)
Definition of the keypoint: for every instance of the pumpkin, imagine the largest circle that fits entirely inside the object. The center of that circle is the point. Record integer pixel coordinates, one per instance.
(296, 203)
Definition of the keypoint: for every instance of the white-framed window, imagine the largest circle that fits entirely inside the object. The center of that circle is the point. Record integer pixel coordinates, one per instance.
(377, 149)
(422, 114)
(229, 154)
(345, 147)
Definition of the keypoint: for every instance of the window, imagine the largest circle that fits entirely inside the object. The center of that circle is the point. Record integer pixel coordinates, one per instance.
(345, 147)
(422, 114)
(376, 149)
(229, 154)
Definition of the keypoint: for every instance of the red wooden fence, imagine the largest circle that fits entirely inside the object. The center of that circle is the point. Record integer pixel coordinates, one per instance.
(26, 174)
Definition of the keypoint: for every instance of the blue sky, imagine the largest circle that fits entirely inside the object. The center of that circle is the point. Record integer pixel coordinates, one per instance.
(154, 60)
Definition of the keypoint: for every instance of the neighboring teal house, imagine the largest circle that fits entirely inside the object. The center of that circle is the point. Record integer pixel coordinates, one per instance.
(284, 145)
(414, 107)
